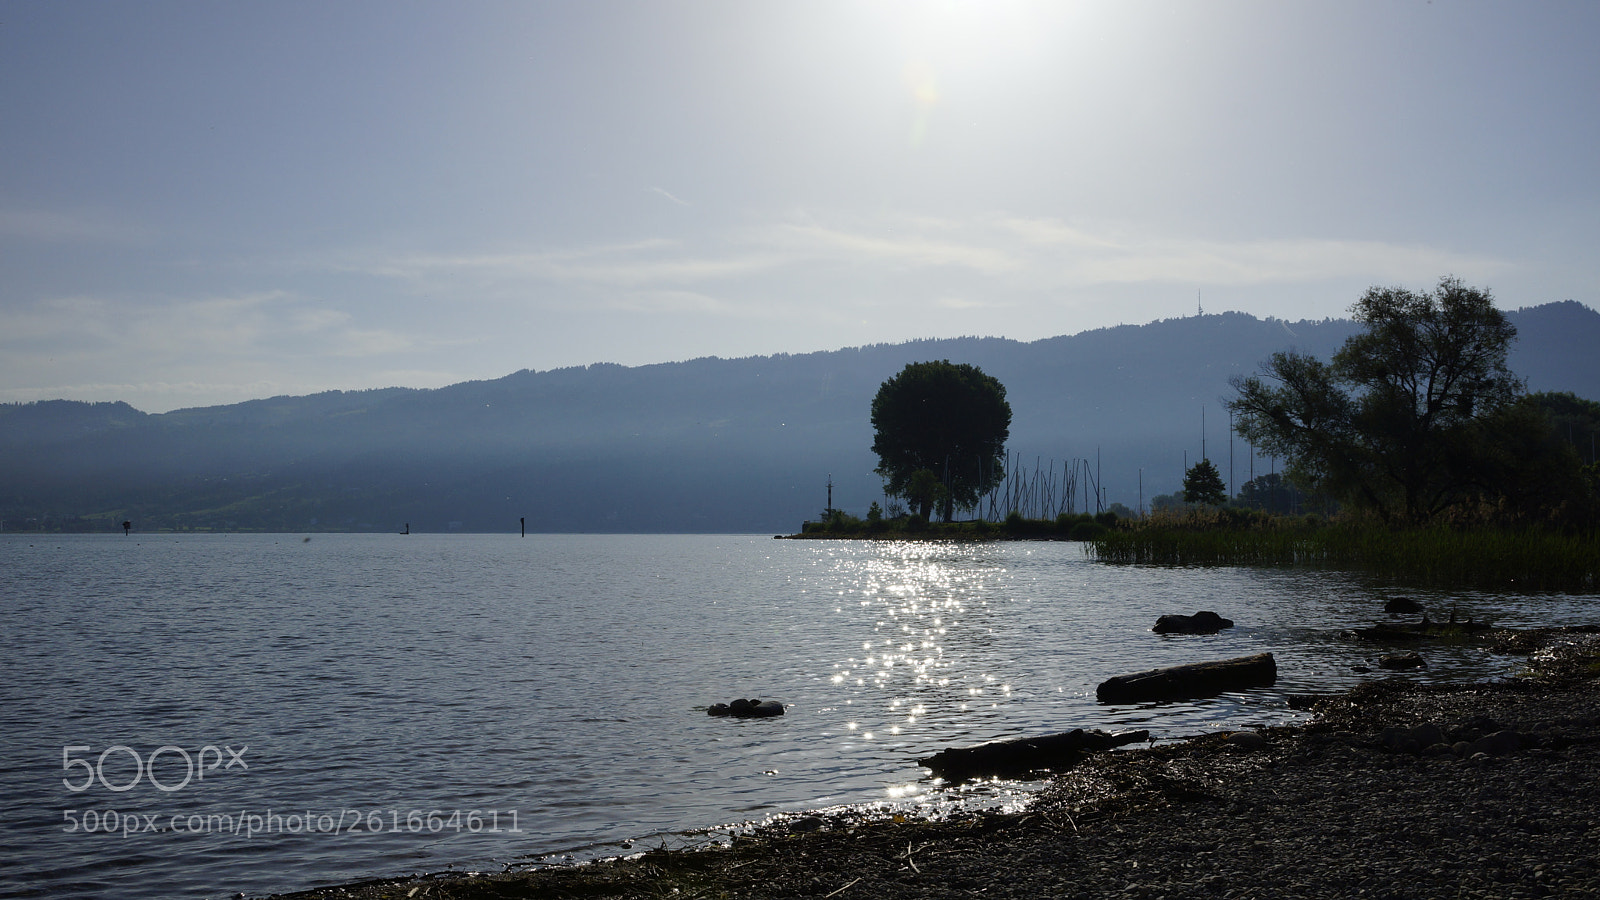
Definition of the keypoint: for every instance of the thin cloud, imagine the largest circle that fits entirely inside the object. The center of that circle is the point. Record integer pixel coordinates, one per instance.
(58, 226)
(1247, 263)
(965, 303)
(195, 329)
(643, 263)
(917, 249)
(665, 193)
(358, 342)
(1004, 260)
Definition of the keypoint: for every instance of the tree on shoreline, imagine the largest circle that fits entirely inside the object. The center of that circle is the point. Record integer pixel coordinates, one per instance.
(1401, 421)
(940, 434)
(1203, 484)
(1270, 493)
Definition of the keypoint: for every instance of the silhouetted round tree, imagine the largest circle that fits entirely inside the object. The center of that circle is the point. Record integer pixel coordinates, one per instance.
(939, 423)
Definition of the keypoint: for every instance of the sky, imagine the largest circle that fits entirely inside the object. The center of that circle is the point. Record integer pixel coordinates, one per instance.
(204, 203)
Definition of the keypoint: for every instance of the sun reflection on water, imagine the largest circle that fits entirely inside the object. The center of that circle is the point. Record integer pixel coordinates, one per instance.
(918, 612)
(932, 645)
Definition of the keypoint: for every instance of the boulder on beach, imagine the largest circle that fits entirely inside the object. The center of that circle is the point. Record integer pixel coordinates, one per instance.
(1203, 622)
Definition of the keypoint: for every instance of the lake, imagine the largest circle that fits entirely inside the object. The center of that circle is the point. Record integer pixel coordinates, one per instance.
(200, 715)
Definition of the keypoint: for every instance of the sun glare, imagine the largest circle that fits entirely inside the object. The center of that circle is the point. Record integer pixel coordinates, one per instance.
(969, 49)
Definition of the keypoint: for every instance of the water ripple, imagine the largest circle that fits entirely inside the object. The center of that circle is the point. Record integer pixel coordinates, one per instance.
(555, 687)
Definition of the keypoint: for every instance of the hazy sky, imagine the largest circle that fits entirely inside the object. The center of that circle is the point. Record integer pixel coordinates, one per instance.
(207, 202)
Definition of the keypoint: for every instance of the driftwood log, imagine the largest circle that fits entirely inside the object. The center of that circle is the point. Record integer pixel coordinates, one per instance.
(1193, 680)
(1015, 758)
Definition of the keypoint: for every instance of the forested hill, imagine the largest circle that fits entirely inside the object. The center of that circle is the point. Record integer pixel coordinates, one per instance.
(737, 445)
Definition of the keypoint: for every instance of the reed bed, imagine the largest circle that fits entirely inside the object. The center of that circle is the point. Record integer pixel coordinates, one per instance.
(1531, 559)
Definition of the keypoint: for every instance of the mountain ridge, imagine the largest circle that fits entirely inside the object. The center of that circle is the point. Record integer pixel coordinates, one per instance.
(742, 444)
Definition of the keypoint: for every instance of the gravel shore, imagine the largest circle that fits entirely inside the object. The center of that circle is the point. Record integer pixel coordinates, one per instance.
(1393, 791)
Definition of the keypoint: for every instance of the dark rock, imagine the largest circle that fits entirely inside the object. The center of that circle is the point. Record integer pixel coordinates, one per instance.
(1415, 739)
(1203, 622)
(806, 823)
(1402, 605)
(1396, 661)
(1246, 740)
(1498, 744)
(747, 709)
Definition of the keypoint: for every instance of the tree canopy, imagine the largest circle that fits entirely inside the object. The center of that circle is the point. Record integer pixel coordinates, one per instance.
(1203, 484)
(940, 432)
(1403, 421)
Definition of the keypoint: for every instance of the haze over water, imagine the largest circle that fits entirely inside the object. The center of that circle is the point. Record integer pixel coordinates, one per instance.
(404, 704)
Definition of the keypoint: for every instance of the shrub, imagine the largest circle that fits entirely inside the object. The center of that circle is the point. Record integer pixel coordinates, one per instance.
(1086, 531)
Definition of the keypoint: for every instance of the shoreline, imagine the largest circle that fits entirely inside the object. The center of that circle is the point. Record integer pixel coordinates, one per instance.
(1393, 789)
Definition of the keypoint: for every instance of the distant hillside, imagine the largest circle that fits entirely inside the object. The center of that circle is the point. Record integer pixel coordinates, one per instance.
(736, 445)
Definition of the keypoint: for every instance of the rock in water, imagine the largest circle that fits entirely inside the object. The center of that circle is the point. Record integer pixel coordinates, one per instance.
(1402, 605)
(1203, 622)
(747, 709)
(1412, 660)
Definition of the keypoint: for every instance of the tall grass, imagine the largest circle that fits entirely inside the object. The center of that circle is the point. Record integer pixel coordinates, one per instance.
(1531, 559)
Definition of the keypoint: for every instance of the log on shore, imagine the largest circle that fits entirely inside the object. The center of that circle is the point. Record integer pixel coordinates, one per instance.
(1018, 757)
(1193, 680)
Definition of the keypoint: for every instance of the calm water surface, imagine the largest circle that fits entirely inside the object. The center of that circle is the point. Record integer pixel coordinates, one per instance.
(290, 713)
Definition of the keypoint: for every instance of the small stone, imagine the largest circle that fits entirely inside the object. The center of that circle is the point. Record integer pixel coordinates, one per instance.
(1498, 744)
(1394, 661)
(1246, 740)
(1394, 737)
(1426, 735)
